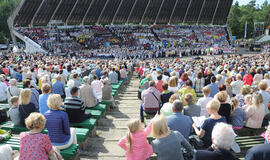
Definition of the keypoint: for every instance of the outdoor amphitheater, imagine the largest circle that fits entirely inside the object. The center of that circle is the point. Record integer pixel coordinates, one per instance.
(131, 79)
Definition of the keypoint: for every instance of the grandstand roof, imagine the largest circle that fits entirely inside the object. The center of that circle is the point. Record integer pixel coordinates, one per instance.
(73, 12)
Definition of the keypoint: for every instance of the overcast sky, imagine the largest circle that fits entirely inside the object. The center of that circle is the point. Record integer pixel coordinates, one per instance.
(241, 2)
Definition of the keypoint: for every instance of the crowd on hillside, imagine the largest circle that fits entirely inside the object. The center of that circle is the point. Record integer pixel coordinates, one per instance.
(53, 92)
(131, 41)
(234, 101)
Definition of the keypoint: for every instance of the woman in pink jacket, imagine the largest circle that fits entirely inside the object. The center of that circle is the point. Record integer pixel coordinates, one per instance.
(135, 143)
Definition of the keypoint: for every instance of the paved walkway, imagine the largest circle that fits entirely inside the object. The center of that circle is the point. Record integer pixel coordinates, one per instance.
(113, 126)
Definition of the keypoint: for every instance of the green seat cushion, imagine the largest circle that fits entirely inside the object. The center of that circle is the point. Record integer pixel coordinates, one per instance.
(115, 86)
(5, 106)
(81, 133)
(10, 126)
(113, 92)
(100, 107)
(89, 124)
(96, 114)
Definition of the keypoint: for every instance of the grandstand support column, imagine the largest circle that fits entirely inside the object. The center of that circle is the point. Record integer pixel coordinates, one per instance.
(212, 22)
(145, 11)
(68, 18)
(59, 4)
(200, 13)
(159, 12)
(184, 20)
(131, 11)
(10, 26)
(84, 17)
(117, 12)
(102, 12)
(35, 15)
(176, 2)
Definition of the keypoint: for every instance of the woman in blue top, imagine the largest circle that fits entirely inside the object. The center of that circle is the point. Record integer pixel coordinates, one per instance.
(205, 131)
(61, 135)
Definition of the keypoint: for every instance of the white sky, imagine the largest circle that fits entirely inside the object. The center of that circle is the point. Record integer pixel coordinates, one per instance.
(243, 2)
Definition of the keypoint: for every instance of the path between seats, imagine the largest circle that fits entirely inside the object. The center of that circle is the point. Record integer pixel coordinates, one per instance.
(114, 126)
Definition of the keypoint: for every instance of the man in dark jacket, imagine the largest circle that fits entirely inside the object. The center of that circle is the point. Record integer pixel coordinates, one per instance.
(222, 139)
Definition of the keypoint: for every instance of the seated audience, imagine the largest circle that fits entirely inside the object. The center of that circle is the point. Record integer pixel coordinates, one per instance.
(168, 144)
(245, 90)
(150, 100)
(173, 84)
(166, 109)
(61, 135)
(6, 152)
(166, 94)
(14, 112)
(187, 88)
(159, 83)
(135, 142)
(58, 87)
(33, 144)
(255, 113)
(107, 94)
(70, 84)
(199, 82)
(87, 94)
(266, 95)
(3, 90)
(75, 108)
(113, 76)
(191, 110)
(179, 122)
(213, 87)
(222, 140)
(238, 115)
(34, 93)
(97, 86)
(205, 131)
(46, 90)
(13, 90)
(25, 106)
(202, 102)
(225, 108)
(237, 85)
(247, 79)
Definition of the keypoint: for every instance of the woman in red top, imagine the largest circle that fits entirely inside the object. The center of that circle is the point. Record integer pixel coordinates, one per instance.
(247, 79)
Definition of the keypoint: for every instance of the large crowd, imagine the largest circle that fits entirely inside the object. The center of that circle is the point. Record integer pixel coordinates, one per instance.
(131, 41)
(196, 104)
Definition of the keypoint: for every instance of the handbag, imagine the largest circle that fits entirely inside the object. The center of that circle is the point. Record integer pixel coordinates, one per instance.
(159, 103)
(196, 142)
(56, 155)
(3, 115)
(139, 94)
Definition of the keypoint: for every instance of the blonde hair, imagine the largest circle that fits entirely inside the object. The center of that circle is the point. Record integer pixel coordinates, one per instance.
(213, 105)
(234, 104)
(25, 96)
(248, 98)
(239, 77)
(222, 96)
(266, 76)
(173, 97)
(173, 82)
(54, 101)
(159, 126)
(246, 89)
(35, 121)
(262, 85)
(133, 127)
(206, 90)
(258, 99)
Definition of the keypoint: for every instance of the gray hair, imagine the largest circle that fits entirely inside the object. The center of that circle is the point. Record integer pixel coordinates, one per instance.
(70, 83)
(86, 80)
(12, 82)
(177, 106)
(223, 136)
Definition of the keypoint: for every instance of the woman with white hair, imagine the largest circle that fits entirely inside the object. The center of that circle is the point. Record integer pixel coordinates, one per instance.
(6, 152)
(87, 94)
(222, 139)
(70, 84)
(13, 90)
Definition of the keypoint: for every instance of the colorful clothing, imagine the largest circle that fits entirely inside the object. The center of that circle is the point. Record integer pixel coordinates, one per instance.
(34, 146)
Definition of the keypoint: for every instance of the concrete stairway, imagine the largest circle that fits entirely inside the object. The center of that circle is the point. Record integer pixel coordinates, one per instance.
(113, 126)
